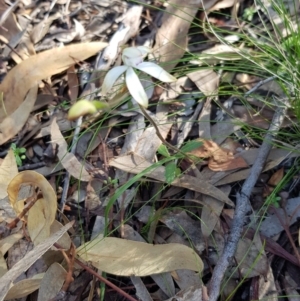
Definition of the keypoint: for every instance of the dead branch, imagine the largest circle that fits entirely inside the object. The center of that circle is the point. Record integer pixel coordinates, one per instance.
(243, 204)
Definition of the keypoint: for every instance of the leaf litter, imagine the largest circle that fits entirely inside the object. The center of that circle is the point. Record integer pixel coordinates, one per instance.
(150, 193)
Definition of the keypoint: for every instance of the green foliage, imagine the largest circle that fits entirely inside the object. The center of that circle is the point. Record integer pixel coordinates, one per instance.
(162, 150)
(275, 201)
(19, 153)
(191, 145)
(171, 172)
(65, 105)
(249, 13)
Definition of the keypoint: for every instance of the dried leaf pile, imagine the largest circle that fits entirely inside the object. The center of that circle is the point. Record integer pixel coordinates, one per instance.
(142, 201)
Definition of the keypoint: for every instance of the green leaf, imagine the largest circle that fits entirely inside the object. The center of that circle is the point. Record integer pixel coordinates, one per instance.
(81, 108)
(178, 172)
(22, 150)
(163, 151)
(170, 172)
(100, 105)
(19, 161)
(191, 145)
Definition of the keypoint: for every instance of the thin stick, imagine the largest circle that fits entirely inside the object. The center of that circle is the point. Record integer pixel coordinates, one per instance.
(102, 279)
(259, 84)
(67, 176)
(243, 205)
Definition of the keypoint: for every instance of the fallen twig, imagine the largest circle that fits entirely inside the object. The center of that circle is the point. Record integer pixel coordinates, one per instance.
(68, 176)
(102, 279)
(242, 204)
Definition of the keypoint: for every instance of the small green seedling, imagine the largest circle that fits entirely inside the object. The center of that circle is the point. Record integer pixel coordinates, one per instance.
(65, 105)
(275, 201)
(249, 13)
(19, 153)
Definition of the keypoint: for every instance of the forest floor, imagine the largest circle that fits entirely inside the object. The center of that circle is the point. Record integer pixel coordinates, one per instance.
(149, 150)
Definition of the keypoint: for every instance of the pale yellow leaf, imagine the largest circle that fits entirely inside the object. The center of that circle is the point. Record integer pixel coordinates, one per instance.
(8, 170)
(7, 242)
(131, 258)
(43, 213)
(24, 287)
(68, 160)
(24, 76)
(30, 258)
(39, 221)
(52, 282)
(65, 240)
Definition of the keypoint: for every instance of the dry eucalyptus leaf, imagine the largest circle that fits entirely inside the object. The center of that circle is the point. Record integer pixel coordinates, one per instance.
(268, 288)
(9, 25)
(73, 83)
(210, 213)
(42, 214)
(52, 282)
(65, 240)
(191, 293)
(29, 259)
(272, 225)
(273, 182)
(131, 258)
(164, 280)
(7, 242)
(3, 265)
(211, 149)
(42, 28)
(24, 287)
(68, 160)
(171, 38)
(276, 177)
(275, 157)
(39, 221)
(182, 224)
(251, 258)
(220, 159)
(136, 164)
(206, 80)
(141, 290)
(25, 75)
(13, 124)
(234, 163)
(8, 170)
